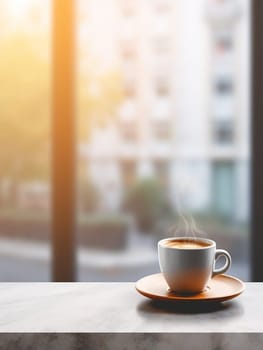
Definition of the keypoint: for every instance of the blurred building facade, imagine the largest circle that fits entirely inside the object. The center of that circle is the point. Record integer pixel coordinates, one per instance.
(184, 118)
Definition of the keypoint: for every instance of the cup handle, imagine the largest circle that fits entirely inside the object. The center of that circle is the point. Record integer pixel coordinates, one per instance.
(222, 252)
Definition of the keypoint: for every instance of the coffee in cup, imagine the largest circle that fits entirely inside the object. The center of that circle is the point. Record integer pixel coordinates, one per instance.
(188, 263)
(185, 244)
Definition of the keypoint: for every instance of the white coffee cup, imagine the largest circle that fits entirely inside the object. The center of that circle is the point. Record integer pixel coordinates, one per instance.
(188, 263)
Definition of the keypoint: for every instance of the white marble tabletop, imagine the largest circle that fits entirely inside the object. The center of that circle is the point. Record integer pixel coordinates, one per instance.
(118, 308)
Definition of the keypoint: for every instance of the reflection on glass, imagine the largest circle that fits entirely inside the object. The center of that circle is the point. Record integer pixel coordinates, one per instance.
(164, 133)
(24, 134)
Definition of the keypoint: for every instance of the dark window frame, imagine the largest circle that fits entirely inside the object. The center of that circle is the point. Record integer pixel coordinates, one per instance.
(256, 142)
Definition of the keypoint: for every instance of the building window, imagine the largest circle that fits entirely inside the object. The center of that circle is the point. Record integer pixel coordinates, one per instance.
(129, 89)
(162, 86)
(128, 7)
(224, 86)
(162, 6)
(128, 49)
(128, 132)
(224, 43)
(161, 171)
(162, 131)
(223, 132)
(223, 182)
(128, 171)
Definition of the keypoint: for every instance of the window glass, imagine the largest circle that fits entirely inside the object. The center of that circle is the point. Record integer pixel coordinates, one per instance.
(223, 132)
(25, 140)
(128, 131)
(171, 130)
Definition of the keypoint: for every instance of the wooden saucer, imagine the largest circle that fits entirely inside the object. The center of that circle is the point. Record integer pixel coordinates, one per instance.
(220, 288)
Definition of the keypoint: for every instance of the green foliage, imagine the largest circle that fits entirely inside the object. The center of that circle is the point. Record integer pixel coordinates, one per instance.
(147, 201)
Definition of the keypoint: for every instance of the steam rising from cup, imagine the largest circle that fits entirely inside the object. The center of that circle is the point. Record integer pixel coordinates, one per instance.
(186, 224)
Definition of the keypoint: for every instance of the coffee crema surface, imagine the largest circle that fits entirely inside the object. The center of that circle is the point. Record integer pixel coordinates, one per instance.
(186, 244)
